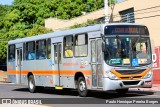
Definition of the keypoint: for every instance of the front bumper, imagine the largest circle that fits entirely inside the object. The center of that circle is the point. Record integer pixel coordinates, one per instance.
(109, 84)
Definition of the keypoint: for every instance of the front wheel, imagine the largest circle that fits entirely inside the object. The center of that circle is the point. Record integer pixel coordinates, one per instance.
(82, 88)
(122, 91)
(31, 84)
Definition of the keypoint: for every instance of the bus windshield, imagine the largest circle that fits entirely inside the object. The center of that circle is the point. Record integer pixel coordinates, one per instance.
(127, 51)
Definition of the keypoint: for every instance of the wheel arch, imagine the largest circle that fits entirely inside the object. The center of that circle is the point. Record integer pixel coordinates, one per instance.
(77, 75)
(29, 73)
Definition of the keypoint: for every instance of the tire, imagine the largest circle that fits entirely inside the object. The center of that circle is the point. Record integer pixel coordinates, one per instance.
(31, 84)
(122, 91)
(82, 88)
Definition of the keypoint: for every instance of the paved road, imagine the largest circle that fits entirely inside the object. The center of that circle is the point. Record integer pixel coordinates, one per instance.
(20, 91)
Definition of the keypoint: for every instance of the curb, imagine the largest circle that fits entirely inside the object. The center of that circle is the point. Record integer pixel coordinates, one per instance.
(155, 87)
(6, 83)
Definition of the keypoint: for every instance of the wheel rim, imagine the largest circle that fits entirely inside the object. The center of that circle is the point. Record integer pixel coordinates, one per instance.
(82, 86)
(31, 84)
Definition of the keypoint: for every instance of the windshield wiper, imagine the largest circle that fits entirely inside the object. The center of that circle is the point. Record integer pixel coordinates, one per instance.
(120, 41)
(106, 48)
(134, 43)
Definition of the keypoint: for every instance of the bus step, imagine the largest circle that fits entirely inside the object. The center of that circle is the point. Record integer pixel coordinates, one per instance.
(59, 87)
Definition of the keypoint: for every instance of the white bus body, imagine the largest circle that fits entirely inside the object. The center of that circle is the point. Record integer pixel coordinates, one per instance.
(83, 58)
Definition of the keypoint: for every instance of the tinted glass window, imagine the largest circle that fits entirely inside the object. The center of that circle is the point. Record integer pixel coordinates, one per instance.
(81, 44)
(48, 48)
(11, 53)
(30, 50)
(41, 49)
(68, 46)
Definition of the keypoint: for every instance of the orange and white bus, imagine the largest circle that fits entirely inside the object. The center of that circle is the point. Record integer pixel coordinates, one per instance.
(102, 57)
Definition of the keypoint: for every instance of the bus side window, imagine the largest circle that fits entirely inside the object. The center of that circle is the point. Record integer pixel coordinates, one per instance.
(11, 53)
(81, 45)
(30, 50)
(41, 49)
(24, 51)
(68, 46)
(48, 48)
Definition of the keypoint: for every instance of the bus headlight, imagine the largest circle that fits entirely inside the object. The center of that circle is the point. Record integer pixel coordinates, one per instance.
(112, 76)
(148, 75)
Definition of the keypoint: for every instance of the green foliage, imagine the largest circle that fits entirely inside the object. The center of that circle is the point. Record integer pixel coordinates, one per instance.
(26, 17)
(37, 30)
(89, 22)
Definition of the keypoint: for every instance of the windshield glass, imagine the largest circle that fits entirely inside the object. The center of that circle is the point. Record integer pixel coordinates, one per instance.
(127, 51)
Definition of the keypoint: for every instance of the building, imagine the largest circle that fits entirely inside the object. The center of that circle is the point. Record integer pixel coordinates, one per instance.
(133, 11)
(57, 24)
(145, 12)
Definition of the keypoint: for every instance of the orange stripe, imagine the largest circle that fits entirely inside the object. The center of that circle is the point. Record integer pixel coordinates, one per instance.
(50, 72)
(133, 75)
(13, 72)
(39, 72)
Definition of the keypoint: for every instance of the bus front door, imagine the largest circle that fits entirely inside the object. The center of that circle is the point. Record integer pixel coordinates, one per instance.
(96, 62)
(19, 64)
(57, 47)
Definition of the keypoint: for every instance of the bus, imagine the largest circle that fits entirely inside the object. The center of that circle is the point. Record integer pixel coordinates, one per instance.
(102, 57)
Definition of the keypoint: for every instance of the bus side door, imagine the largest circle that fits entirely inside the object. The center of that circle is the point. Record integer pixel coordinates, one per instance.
(57, 63)
(19, 64)
(96, 62)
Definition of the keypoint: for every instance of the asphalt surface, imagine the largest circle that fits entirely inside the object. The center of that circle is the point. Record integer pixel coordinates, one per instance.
(20, 91)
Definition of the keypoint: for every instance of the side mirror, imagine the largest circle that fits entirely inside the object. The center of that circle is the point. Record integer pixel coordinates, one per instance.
(103, 47)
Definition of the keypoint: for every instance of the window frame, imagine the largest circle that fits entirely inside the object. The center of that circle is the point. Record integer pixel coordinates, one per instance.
(127, 15)
(14, 46)
(27, 50)
(80, 45)
(37, 50)
(24, 51)
(48, 43)
(64, 43)
(93, 58)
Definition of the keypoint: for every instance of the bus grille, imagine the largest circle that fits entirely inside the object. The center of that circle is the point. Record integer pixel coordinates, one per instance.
(126, 72)
(130, 82)
(129, 78)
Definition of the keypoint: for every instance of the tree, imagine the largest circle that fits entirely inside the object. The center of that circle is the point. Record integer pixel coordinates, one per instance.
(26, 17)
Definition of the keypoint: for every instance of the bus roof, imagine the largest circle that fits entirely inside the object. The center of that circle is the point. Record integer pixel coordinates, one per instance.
(66, 32)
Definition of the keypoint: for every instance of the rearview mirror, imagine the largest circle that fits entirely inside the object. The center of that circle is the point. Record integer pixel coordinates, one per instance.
(103, 47)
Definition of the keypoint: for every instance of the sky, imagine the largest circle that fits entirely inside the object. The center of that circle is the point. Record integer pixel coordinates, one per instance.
(9, 2)
(6, 2)
(119, 0)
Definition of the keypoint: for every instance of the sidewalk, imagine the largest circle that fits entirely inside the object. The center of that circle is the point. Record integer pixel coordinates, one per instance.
(3, 76)
(155, 87)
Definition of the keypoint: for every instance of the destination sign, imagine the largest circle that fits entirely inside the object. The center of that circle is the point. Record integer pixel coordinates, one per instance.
(126, 30)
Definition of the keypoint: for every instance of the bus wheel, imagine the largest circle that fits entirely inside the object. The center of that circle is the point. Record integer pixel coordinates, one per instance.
(82, 88)
(122, 91)
(31, 84)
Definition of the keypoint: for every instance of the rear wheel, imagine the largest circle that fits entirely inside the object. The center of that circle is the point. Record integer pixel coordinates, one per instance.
(31, 84)
(122, 91)
(82, 88)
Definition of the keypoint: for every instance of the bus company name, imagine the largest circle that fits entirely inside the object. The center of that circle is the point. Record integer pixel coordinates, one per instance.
(70, 64)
